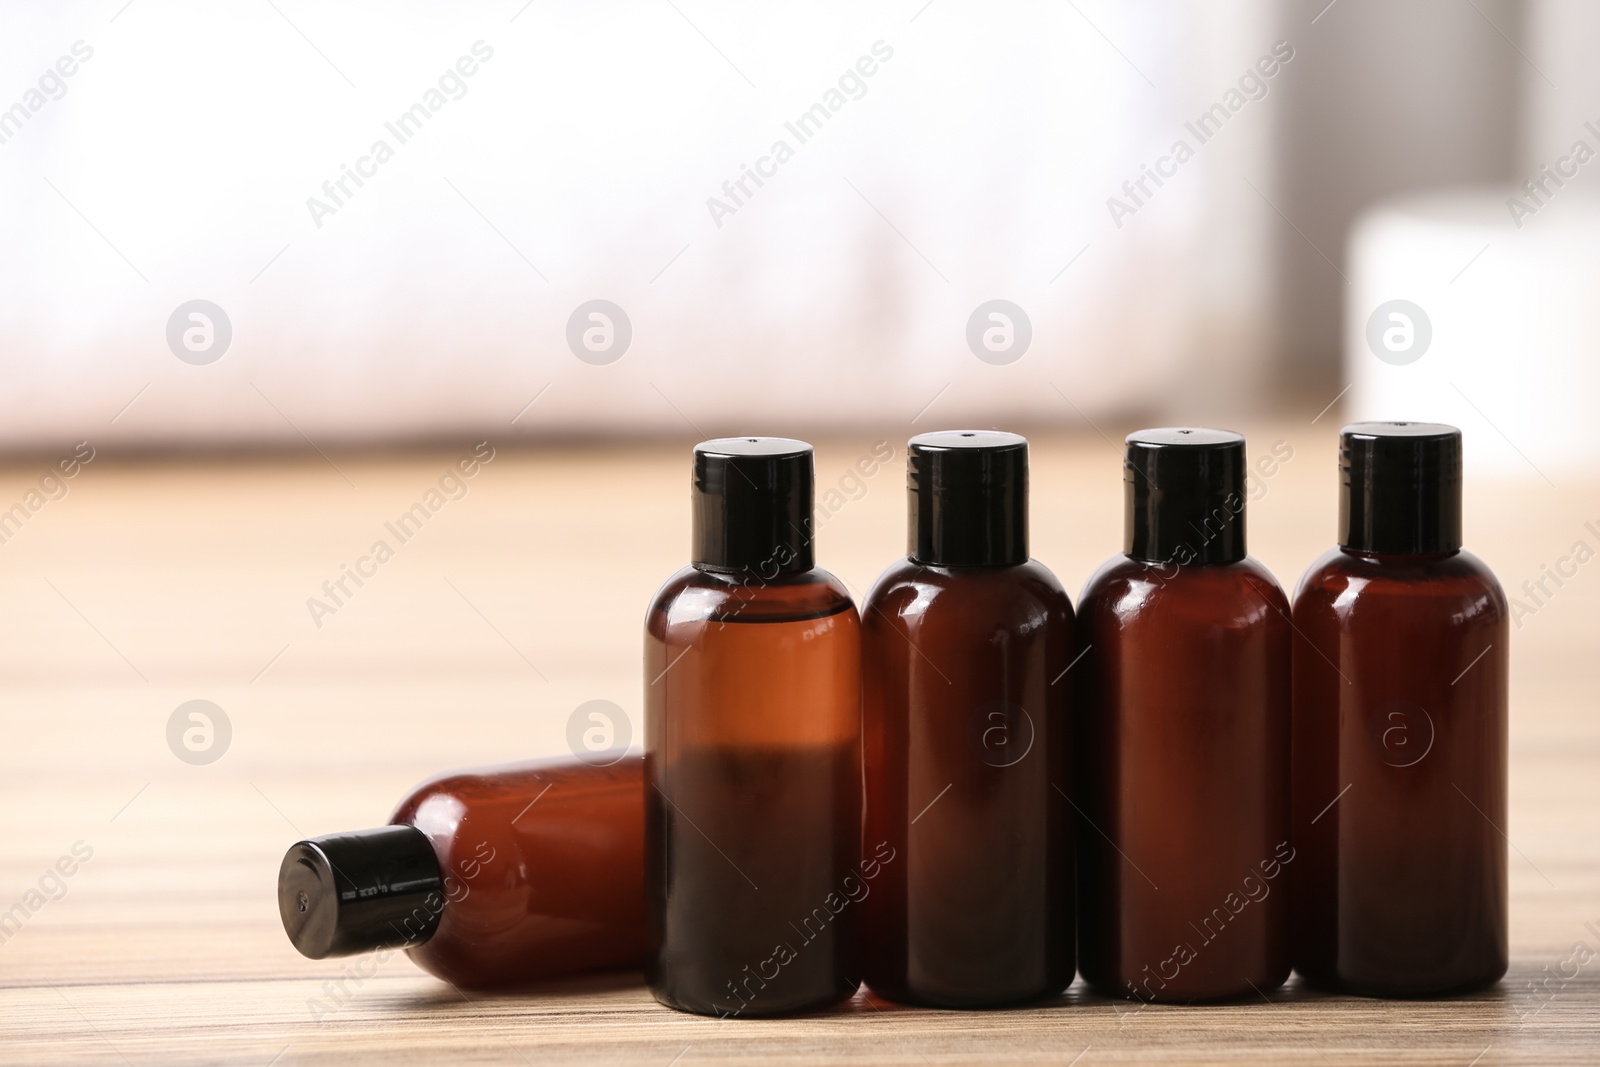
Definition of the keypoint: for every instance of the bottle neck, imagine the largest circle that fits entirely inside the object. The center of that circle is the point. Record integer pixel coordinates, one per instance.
(758, 575)
(1399, 557)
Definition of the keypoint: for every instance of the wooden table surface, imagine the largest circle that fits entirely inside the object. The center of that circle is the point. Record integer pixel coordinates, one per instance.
(152, 582)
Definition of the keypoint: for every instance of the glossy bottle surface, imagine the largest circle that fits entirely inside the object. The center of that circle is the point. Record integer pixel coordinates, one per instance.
(753, 792)
(543, 864)
(1182, 758)
(966, 747)
(1400, 683)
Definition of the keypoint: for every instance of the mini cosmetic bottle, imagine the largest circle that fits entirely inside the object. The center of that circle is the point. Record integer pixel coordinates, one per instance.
(965, 644)
(1400, 694)
(1182, 709)
(486, 878)
(752, 677)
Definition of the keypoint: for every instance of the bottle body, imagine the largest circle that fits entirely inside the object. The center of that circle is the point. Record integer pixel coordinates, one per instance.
(542, 863)
(753, 792)
(1400, 720)
(966, 746)
(1182, 712)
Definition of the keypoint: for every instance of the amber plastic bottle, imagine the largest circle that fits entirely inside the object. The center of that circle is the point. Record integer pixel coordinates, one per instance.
(1400, 680)
(965, 644)
(752, 672)
(486, 878)
(1182, 718)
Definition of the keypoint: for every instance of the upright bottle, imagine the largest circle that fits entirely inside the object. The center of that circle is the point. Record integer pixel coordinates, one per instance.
(752, 672)
(964, 646)
(1400, 678)
(486, 878)
(1183, 711)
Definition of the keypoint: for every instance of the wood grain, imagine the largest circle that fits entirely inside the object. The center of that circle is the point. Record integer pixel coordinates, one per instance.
(151, 583)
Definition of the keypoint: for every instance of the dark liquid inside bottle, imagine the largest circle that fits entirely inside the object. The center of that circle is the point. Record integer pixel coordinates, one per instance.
(778, 922)
(753, 793)
(1400, 677)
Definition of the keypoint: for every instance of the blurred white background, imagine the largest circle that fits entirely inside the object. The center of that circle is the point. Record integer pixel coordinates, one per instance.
(976, 162)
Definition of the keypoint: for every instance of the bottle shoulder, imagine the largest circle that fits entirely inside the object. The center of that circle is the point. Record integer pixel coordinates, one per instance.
(1121, 573)
(984, 595)
(696, 595)
(1460, 582)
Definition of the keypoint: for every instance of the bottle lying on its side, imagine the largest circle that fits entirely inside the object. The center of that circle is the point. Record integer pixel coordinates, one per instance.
(488, 877)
